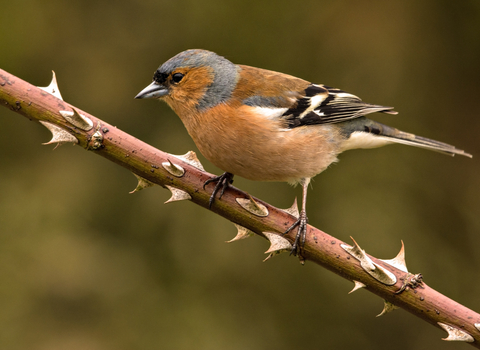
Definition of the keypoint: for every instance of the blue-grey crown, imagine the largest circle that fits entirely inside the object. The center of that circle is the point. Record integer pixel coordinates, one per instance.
(225, 74)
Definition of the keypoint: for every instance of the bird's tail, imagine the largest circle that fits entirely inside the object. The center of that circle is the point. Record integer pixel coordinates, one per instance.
(397, 136)
(366, 133)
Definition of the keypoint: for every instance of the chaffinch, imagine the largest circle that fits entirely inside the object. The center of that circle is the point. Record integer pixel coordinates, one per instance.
(269, 126)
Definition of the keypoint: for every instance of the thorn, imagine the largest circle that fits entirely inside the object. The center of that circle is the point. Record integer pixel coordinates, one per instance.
(242, 233)
(387, 307)
(191, 158)
(455, 334)
(252, 207)
(174, 169)
(358, 285)
(376, 271)
(97, 139)
(177, 195)
(77, 119)
(142, 183)
(53, 87)
(293, 210)
(399, 260)
(359, 254)
(278, 244)
(59, 135)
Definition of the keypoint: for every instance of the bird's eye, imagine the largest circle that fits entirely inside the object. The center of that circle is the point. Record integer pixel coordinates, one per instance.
(177, 77)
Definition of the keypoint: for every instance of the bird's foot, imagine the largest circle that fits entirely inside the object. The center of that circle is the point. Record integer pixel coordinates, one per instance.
(223, 181)
(301, 235)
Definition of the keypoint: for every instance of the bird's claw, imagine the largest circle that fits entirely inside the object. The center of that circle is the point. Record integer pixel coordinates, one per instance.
(223, 181)
(301, 235)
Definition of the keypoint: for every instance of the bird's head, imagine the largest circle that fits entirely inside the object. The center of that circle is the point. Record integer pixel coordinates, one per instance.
(193, 80)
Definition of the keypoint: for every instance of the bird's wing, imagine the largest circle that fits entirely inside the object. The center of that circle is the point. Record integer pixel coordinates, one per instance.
(322, 104)
(298, 102)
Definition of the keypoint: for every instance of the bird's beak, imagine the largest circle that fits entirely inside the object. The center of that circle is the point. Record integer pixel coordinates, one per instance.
(154, 90)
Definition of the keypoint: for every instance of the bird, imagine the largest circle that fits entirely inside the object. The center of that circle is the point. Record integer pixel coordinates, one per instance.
(264, 125)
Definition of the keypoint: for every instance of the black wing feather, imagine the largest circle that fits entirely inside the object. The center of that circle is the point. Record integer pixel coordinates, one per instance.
(336, 107)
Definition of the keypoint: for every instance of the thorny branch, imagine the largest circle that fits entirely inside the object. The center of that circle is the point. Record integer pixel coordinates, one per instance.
(184, 176)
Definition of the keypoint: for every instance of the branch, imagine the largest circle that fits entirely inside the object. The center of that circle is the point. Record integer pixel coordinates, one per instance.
(184, 176)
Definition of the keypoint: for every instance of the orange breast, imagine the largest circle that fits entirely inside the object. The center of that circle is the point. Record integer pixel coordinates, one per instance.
(259, 149)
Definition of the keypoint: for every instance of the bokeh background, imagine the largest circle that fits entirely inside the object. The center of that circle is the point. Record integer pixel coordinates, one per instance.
(85, 265)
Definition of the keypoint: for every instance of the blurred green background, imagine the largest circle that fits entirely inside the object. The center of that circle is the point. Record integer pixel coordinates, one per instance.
(85, 265)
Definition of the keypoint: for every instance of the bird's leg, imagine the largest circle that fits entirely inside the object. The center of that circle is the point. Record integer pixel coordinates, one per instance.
(223, 181)
(301, 223)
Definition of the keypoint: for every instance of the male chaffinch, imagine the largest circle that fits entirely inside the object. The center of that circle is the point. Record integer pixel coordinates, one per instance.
(269, 126)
